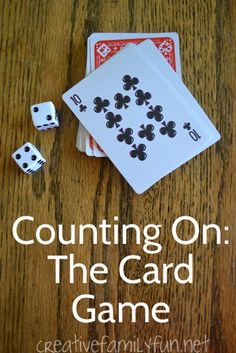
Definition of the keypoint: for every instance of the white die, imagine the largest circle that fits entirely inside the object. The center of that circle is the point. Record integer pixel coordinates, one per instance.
(44, 116)
(28, 158)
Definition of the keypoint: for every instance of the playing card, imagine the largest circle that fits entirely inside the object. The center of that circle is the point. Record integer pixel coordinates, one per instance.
(145, 124)
(104, 45)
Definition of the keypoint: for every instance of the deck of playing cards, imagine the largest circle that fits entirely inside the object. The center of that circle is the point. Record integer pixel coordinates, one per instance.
(135, 106)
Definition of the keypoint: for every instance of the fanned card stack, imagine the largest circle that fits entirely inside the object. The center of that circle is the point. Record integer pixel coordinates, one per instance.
(133, 107)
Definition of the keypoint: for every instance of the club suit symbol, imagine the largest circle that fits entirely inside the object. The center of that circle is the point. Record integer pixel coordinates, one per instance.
(125, 136)
(155, 113)
(82, 108)
(130, 82)
(142, 97)
(138, 152)
(100, 104)
(168, 129)
(113, 120)
(147, 132)
(121, 101)
(187, 126)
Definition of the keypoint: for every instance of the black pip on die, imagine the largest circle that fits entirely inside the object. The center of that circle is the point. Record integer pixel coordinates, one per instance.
(44, 116)
(28, 158)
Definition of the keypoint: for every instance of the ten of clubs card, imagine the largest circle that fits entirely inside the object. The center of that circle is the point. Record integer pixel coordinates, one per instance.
(141, 114)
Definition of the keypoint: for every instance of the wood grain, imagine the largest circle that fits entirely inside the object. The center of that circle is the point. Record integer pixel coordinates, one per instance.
(43, 53)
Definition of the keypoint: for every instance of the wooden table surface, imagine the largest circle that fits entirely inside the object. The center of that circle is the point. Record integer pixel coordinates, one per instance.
(43, 53)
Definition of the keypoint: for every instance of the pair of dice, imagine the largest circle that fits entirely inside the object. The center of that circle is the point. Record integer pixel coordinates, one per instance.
(28, 157)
